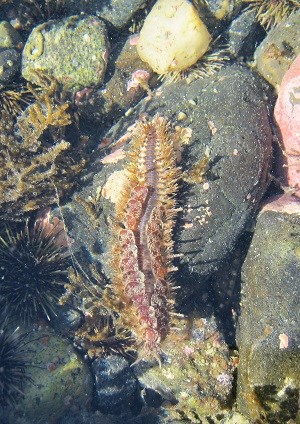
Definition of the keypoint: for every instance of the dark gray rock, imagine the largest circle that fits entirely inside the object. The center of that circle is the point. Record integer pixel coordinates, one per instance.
(228, 117)
(268, 336)
(244, 34)
(116, 385)
(10, 64)
(118, 12)
(66, 319)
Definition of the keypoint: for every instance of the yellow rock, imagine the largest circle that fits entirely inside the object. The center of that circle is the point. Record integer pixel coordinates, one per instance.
(173, 36)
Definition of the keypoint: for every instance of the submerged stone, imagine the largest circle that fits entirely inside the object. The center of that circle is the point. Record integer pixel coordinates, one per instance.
(72, 50)
(60, 380)
(268, 336)
(224, 168)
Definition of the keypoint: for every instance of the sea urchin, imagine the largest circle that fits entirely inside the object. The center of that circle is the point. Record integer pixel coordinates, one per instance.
(33, 269)
(13, 366)
(272, 12)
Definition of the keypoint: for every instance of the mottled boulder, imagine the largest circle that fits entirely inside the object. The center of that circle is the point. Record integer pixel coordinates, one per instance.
(195, 378)
(73, 50)
(268, 336)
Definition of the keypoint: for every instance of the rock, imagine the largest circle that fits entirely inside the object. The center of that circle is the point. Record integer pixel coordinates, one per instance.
(287, 115)
(120, 12)
(216, 209)
(10, 64)
(222, 9)
(73, 50)
(173, 37)
(217, 13)
(110, 102)
(66, 320)
(243, 34)
(116, 385)
(268, 333)
(275, 54)
(9, 37)
(195, 377)
(60, 380)
(117, 12)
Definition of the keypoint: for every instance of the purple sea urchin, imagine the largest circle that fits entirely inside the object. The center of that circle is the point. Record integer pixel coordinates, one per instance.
(33, 269)
(13, 373)
(272, 12)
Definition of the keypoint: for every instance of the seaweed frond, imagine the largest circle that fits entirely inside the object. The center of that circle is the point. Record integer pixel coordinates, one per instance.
(37, 162)
(99, 334)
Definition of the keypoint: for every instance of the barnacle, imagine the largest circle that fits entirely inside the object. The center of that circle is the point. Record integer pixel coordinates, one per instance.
(272, 12)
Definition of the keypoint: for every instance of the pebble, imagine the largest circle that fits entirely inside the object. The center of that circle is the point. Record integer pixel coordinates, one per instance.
(119, 13)
(243, 35)
(108, 103)
(115, 383)
(268, 331)
(9, 37)
(10, 64)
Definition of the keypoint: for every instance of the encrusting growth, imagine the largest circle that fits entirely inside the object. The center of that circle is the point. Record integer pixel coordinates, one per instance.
(142, 252)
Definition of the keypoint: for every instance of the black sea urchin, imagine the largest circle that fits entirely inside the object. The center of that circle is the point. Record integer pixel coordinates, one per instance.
(13, 366)
(33, 269)
(272, 12)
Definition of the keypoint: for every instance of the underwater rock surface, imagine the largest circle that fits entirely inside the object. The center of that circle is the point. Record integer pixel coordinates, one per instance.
(229, 122)
(116, 385)
(60, 380)
(268, 332)
(195, 379)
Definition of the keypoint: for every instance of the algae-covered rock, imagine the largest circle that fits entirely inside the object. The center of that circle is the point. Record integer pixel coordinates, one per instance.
(276, 53)
(60, 380)
(9, 37)
(195, 377)
(268, 337)
(72, 50)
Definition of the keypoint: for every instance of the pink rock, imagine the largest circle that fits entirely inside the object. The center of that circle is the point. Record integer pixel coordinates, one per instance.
(282, 204)
(287, 115)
